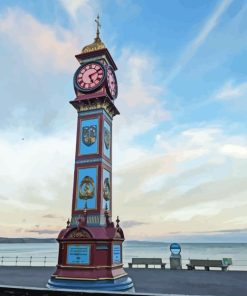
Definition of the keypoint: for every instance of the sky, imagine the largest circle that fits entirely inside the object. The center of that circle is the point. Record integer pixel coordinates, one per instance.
(180, 142)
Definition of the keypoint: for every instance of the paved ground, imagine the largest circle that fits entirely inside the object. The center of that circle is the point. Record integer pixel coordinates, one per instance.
(231, 283)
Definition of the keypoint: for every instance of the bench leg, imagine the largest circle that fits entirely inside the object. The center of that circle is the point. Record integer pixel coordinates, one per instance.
(130, 265)
(207, 268)
(146, 265)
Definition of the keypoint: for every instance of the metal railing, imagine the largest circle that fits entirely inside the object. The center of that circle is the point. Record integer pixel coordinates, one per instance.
(238, 264)
(28, 261)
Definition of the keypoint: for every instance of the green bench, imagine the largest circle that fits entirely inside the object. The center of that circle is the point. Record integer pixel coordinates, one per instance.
(147, 261)
(206, 263)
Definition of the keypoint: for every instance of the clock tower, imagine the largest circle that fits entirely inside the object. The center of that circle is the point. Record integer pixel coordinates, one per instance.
(90, 247)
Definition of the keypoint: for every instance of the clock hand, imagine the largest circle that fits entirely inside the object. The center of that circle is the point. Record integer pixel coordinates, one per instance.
(90, 76)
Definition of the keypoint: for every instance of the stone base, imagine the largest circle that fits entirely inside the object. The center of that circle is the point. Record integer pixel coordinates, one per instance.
(123, 284)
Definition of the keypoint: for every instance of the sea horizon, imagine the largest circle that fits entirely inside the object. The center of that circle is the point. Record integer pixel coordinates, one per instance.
(53, 239)
(4, 240)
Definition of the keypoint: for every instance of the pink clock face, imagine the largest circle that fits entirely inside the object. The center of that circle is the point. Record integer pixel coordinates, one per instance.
(90, 76)
(112, 83)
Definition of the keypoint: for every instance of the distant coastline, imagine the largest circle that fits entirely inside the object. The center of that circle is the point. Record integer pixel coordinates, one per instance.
(9, 240)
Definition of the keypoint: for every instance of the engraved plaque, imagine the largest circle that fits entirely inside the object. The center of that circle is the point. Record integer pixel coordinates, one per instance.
(78, 254)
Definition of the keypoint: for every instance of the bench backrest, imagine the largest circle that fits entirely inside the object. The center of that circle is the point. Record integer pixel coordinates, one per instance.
(146, 261)
(209, 263)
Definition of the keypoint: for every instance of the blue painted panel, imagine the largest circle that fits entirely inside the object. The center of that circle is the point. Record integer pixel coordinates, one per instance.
(82, 174)
(106, 175)
(78, 254)
(89, 136)
(107, 140)
(116, 254)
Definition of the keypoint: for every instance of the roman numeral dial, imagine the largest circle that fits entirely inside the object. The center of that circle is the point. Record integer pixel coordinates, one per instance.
(89, 76)
(112, 83)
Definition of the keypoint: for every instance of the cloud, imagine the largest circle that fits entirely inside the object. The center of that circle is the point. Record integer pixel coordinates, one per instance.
(141, 103)
(46, 46)
(200, 136)
(82, 14)
(138, 86)
(74, 7)
(197, 42)
(235, 151)
(232, 230)
(36, 175)
(52, 216)
(3, 197)
(131, 223)
(180, 181)
(233, 94)
(50, 47)
(43, 231)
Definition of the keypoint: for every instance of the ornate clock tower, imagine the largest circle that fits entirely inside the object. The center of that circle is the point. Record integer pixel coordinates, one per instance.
(90, 248)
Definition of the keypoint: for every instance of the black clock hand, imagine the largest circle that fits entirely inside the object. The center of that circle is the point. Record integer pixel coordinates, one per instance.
(90, 76)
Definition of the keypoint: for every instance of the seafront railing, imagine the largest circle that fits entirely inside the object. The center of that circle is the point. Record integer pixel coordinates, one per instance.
(28, 261)
(238, 264)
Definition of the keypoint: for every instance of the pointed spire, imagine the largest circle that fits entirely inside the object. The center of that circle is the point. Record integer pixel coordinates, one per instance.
(98, 26)
(97, 44)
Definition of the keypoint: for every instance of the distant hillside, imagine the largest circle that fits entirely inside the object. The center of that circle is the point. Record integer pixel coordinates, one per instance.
(7, 240)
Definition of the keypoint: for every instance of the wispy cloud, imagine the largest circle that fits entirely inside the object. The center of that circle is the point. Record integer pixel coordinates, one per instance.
(43, 231)
(229, 91)
(73, 7)
(52, 216)
(232, 230)
(195, 44)
(131, 223)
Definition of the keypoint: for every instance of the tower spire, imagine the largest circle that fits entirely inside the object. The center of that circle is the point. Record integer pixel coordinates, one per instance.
(97, 44)
(98, 27)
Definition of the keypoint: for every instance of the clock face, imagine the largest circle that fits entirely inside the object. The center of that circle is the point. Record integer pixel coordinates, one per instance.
(89, 76)
(112, 82)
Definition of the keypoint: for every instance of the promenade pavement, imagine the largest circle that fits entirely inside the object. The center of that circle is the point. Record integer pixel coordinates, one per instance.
(183, 282)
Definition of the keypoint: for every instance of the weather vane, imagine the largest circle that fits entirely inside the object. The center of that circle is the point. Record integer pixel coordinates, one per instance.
(98, 26)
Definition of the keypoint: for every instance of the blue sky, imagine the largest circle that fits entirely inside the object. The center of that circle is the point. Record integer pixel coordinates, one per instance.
(180, 144)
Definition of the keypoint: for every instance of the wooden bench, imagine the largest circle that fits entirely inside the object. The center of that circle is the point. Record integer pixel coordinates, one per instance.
(223, 264)
(147, 262)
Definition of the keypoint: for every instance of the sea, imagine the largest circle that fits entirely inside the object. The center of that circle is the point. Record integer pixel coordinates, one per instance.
(45, 254)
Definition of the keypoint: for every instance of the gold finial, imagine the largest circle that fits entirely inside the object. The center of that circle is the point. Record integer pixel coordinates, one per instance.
(97, 44)
(98, 26)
